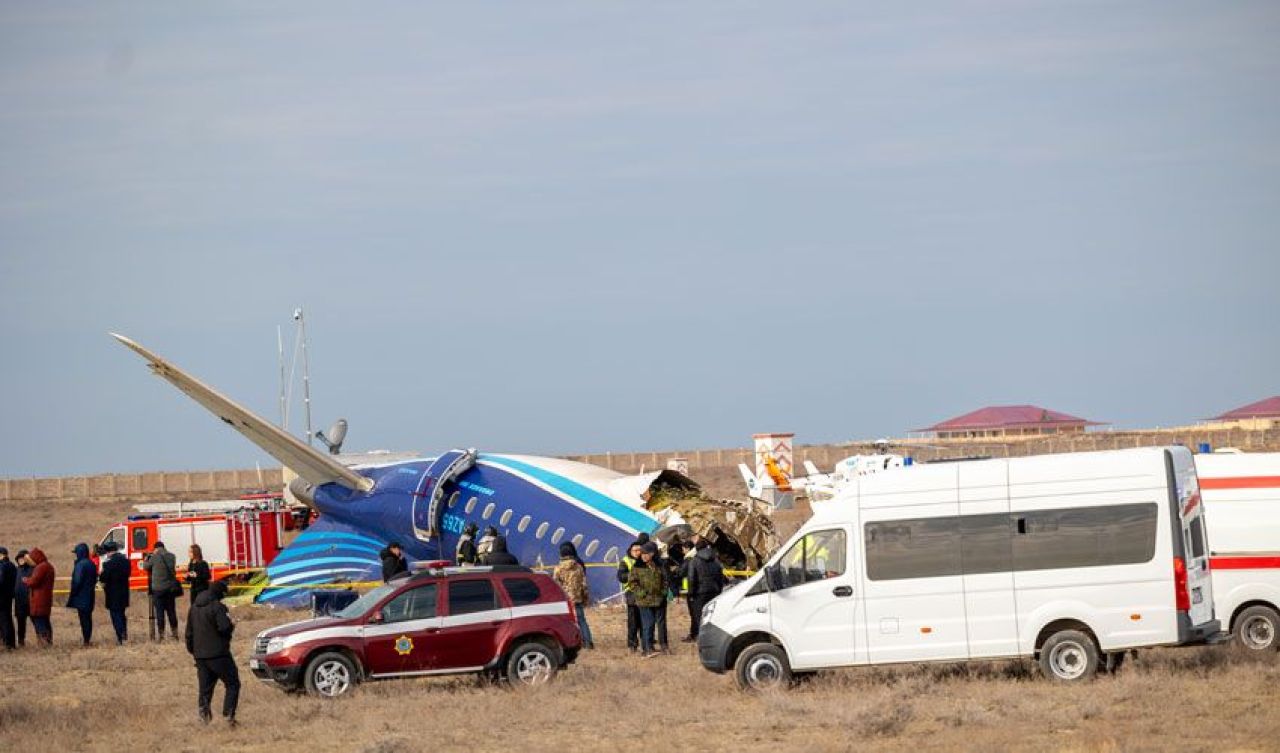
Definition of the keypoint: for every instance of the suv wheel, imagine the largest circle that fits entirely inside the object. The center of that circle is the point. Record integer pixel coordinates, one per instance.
(1257, 628)
(1069, 656)
(532, 664)
(330, 675)
(762, 666)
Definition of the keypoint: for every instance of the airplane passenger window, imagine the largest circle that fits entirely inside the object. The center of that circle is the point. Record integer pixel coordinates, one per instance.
(524, 523)
(453, 500)
(506, 517)
(471, 505)
(542, 530)
(592, 547)
(611, 555)
(577, 540)
(488, 510)
(555, 537)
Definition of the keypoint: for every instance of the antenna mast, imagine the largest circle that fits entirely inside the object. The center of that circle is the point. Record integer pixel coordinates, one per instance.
(306, 371)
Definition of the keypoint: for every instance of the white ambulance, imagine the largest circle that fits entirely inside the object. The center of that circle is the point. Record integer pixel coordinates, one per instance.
(1242, 512)
(1070, 559)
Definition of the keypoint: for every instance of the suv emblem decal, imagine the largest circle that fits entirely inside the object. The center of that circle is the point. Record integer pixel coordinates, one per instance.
(404, 645)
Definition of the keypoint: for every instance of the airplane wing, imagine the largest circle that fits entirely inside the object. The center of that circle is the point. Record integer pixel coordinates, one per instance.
(309, 463)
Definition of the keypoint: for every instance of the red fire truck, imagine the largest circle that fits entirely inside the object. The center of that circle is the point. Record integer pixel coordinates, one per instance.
(236, 536)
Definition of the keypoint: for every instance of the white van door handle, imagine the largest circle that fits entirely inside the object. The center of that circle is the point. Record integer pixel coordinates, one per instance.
(843, 591)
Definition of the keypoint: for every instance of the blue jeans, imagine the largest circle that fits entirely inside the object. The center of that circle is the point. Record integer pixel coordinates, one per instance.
(648, 618)
(583, 627)
(43, 628)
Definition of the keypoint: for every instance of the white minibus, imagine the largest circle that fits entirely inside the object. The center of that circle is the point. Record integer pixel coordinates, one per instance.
(1069, 559)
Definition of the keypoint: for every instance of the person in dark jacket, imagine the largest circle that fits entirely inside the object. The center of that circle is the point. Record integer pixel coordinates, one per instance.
(84, 584)
(393, 562)
(40, 586)
(706, 581)
(198, 575)
(115, 590)
(465, 554)
(22, 595)
(633, 612)
(163, 585)
(498, 554)
(209, 630)
(8, 589)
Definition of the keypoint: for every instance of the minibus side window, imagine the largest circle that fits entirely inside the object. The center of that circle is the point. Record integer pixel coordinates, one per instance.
(816, 556)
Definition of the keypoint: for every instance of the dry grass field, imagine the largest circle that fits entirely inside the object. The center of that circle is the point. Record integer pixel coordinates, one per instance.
(142, 696)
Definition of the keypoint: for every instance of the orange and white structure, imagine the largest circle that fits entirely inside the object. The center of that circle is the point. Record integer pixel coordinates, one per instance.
(236, 536)
(1241, 497)
(771, 481)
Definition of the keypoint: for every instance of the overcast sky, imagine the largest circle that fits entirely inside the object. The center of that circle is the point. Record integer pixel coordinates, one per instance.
(570, 227)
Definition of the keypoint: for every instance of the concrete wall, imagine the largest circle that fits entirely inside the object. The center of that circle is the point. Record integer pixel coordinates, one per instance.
(211, 484)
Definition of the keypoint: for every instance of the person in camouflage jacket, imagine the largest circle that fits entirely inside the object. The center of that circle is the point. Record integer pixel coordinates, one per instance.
(648, 585)
(571, 574)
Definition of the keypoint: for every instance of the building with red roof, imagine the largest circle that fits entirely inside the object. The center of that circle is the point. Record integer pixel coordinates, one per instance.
(1260, 415)
(1002, 421)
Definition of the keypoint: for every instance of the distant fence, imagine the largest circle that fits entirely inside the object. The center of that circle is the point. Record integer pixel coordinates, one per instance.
(195, 484)
(139, 485)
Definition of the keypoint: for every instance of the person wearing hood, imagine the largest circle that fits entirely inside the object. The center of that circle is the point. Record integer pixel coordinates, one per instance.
(209, 631)
(84, 584)
(8, 589)
(498, 554)
(40, 586)
(465, 553)
(115, 590)
(393, 561)
(164, 587)
(22, 595)
(706, 581)
(485, 545)
(571, 574)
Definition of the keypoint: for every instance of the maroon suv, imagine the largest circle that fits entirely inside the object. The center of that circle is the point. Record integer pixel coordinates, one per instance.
(496, 621)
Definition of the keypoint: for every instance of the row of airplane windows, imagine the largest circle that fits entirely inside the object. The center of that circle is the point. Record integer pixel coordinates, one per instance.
(539, 532)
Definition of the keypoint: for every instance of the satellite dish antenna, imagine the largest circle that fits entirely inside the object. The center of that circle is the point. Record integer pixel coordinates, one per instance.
(337, 433)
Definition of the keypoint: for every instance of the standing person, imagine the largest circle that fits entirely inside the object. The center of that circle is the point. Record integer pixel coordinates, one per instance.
(40, 585)
(8, 590)
(22, 595)
(115, 590)
(498, 554)
(209, 630)
(84, 585)
(648, 585)
(164, 587)
(485, 545)
(393, 562)
(465, 553)
(571, 574)
(197, 571)
(706, 581)
(625, 566)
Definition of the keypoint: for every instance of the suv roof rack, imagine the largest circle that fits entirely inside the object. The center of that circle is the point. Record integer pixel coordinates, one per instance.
(470, 570)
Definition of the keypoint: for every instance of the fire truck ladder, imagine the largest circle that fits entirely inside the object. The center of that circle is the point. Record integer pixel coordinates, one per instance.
(239, 540)
(446, 468)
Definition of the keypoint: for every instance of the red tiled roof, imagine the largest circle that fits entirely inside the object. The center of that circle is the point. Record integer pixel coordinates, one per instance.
(1009, 416)
(1269, 408)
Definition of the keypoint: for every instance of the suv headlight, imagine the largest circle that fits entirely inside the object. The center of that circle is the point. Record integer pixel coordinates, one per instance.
(708, 609)
(275, 645)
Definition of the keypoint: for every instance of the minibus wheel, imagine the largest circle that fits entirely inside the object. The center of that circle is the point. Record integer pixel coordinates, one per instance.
(1256, 628)
(1069, 656)
(762, 666)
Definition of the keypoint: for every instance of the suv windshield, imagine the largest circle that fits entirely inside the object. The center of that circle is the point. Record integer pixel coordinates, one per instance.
(366, 602)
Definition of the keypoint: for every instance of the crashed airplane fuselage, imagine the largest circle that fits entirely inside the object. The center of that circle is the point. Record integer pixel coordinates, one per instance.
(536, 502)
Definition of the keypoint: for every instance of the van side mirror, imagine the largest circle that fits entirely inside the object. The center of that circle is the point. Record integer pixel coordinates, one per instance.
(773, 578)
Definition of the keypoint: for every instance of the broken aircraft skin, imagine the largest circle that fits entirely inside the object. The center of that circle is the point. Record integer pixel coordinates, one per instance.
(423, 504)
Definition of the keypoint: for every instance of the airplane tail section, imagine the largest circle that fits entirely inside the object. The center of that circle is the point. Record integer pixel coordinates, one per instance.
(327, 554)
(309, 463)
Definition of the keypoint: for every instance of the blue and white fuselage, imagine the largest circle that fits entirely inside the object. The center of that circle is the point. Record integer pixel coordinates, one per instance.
(536, 503)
